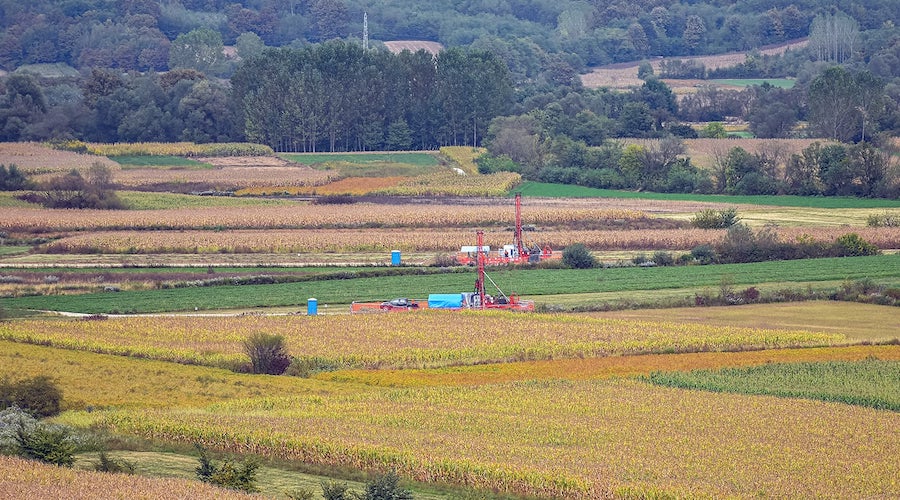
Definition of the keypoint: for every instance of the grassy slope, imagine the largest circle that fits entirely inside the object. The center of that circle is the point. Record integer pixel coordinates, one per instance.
(158, 161)
(525, 282)
(569, 191)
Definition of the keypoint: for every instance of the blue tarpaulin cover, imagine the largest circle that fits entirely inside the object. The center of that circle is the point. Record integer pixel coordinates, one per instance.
(445, 300)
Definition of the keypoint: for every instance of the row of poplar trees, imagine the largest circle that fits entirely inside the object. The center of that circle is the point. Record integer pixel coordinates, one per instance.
(339, 97)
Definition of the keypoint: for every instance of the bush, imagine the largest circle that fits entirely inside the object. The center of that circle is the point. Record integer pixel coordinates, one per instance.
(577, 256)
(39, 395)
(852, 245)
(53, 444)
(267, 353)
(886, 219)
(106, 464)
(704, 254)
(663, 259)
(228, 475)
(386, 487)
(715, 219)
(333, 490)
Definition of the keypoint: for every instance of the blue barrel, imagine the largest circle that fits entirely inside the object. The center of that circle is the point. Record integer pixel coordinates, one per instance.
(395, 258)
(312, 307)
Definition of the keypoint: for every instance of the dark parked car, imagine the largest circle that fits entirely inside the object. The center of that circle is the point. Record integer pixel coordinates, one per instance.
(401, 304)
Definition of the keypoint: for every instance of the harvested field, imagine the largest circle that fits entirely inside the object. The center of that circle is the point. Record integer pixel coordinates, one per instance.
(245, 161)
(624, 75)
(225, 178)
(705, 152)
(34, 157)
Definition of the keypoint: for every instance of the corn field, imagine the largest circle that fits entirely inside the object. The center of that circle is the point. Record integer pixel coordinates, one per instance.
(417, 240)
(564, 439)
(424, 339)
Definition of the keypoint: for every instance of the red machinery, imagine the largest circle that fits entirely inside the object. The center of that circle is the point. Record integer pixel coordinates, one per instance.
(517, 253)
(481, 300)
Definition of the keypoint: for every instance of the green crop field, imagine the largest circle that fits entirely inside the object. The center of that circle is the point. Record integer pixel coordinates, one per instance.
(418, 159)
(141, 200)
(871, 383)
(532, 283)
(782, 83)
(541, 189)
(157, 161)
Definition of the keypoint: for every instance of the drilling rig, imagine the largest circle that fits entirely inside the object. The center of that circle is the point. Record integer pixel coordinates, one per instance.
(517, 253)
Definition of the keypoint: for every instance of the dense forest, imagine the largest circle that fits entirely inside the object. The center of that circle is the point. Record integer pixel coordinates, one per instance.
(294, 75)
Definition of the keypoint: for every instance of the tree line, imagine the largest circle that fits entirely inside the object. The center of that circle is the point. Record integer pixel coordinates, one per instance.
(532, 36)
(338, 96)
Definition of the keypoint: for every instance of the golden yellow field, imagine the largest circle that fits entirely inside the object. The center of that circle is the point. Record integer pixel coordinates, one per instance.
(225, 178)
(586, 439)
(603, 368)
(424, 339)
(356, 215)
(356, 186)
(454, 184)
(103, 380)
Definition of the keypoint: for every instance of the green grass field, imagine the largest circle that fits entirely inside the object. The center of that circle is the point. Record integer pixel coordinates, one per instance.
(158, 161)
(537, 284)
(13, 249)
(870, 383)
(541, 189)
(418, 159)
(141, 200)
(782, 83)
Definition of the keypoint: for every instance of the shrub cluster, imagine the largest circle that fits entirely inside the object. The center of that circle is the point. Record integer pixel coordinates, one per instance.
(268, 353)
(382, 487)
(21, 434)
(240, 477)
(886, 219)
(39, 396)
(715, 219)
(577, 256)
(742, 244)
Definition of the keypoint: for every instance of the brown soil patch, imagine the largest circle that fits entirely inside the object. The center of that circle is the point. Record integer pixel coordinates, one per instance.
(245, 161)
(624, 75)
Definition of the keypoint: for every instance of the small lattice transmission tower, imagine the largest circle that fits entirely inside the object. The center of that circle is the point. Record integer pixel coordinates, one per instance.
(365, 31)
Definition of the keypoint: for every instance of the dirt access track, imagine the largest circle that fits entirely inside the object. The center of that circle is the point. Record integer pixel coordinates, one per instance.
(624, 75)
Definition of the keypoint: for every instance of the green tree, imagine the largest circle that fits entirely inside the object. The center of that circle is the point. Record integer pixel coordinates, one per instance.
(386, 487)
(577, 256)
(200, 49)
(694, 31)
(249, 45)
(844, 106)
(714, 130)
